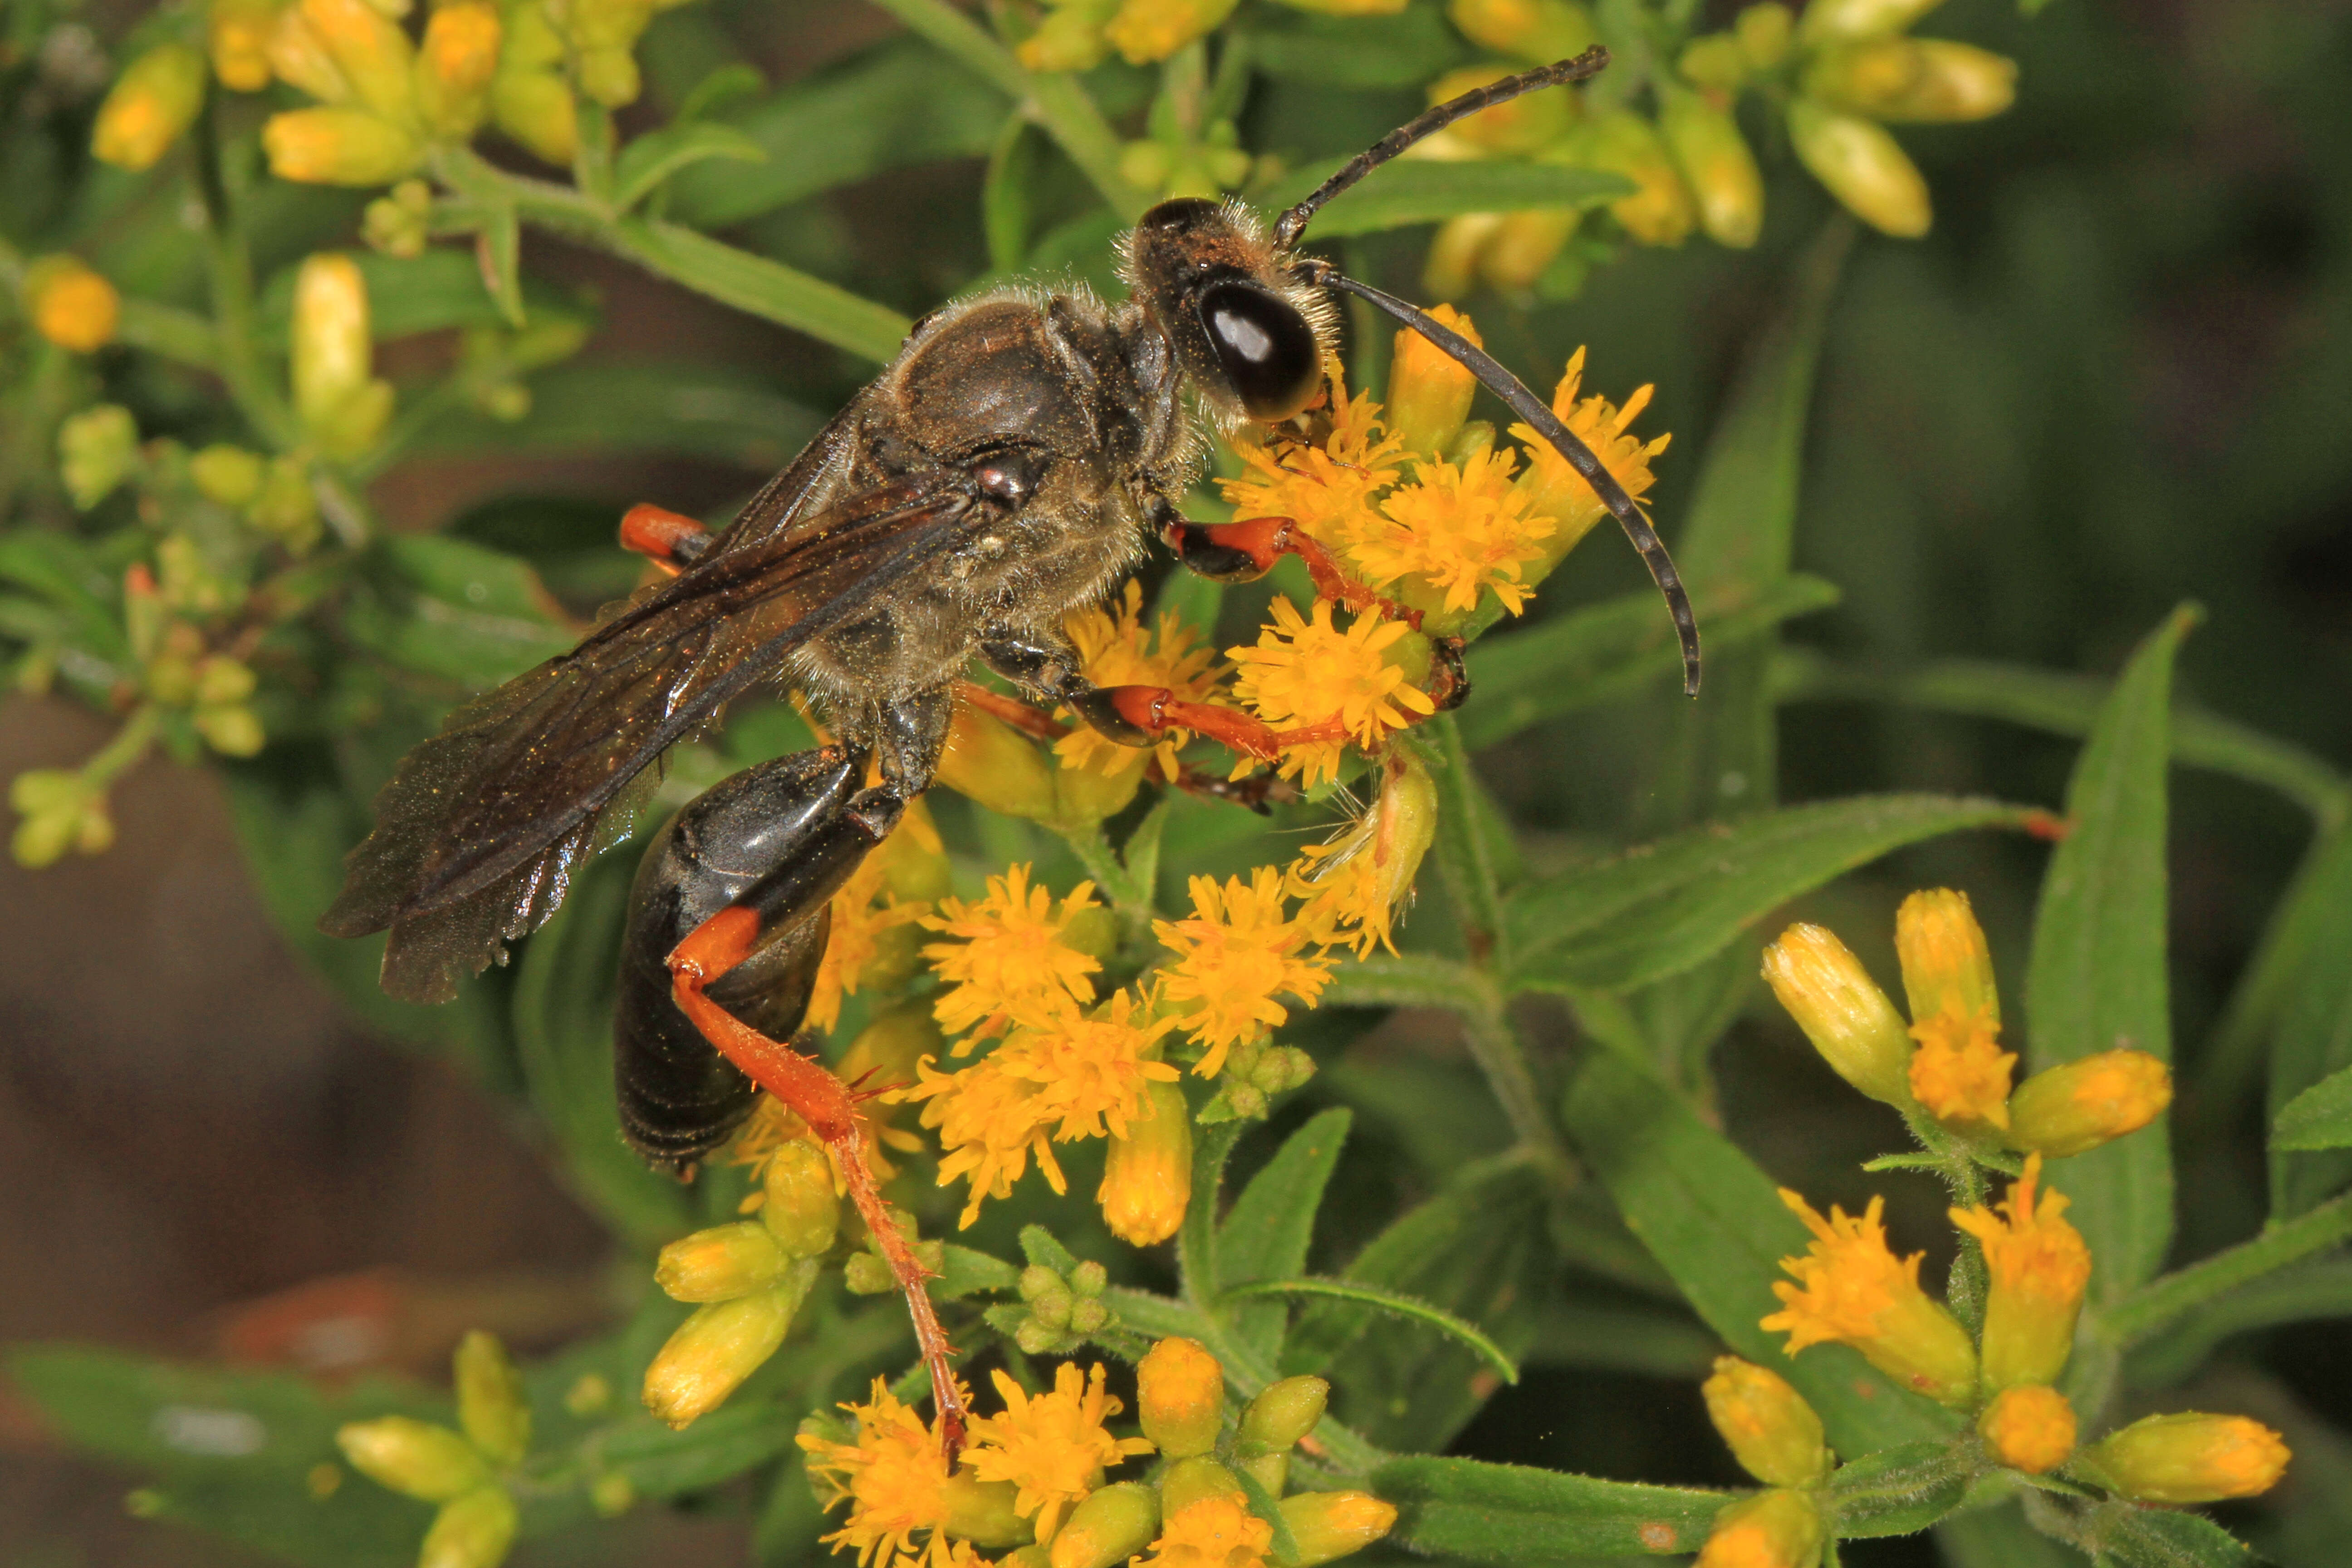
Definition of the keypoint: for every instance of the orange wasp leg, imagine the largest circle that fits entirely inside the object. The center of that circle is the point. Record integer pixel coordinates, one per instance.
(1249, 548)
(829, 1107)
(670, 540)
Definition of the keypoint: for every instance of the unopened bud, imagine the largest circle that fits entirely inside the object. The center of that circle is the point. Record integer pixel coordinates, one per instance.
(2068, 1110)
(1429, 390)
(801, 1209)
(236, 35)
(1536, 31)
(96, 449)
(712, 1352)
(986, 1513)
(474, 1531)
(2029, 1427)
(412, 1457)
(1841, 1010)
(1180, 1395)
(1715, 61)
(221, 678)
(71, 304)
(1946, 964)
(1825, 20)
(1148, 1176)
(490, 1406)
(1450, 269)
(1148, 30)
(1524, 244)
(612, 1494)
(1955, 83)
(61, 810)
(1770, 1530)
(529, 100)
(1764, 33)
(228, 475)
(342, 406)
(1199, 1479)
(1109, 1525)
(1284, 1412)
(1715, 160)
(298, 55)
(2187, 1458)
(1772, 1432)
(231, 729)
(454, 69)
(374, 56)
(152, 101)
(721, 1263)
(287, 508)
(1660, 211)
(338, 147)
(1516, 126)
(1069, 36)
(993, 764)
(1087, 1315)
(1328, 1525)
(1862, 167)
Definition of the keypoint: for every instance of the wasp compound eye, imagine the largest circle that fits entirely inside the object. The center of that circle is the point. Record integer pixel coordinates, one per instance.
(1265, 347)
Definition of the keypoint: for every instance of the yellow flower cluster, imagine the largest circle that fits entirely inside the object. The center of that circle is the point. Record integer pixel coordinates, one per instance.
(1115, 648)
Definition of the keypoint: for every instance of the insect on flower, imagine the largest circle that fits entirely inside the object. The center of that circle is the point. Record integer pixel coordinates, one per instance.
(1002, 471)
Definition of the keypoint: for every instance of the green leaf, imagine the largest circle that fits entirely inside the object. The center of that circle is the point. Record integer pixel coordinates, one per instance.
(67, 575)
(657, 155)
(2289, 968)
(1413, 191)
(2318, 1117)
(2096, 979)
(1512, 1513)
(1044, 1249)
(2315, 1291)
(2129, 1537)
(455, 611)
(769, 290)
(1268, 1508)
(1474, 844)
(1405, 49)
(2000, 1538)
(1410, 980)
(1659, 908)
(429, 292)
(497, 251)
(1196, 1242)
(2311, 1041)
(718, 1448)
(1266, 1234)
(687, 408)
(1714, 1220)
(1615, 649)
(967, 1272)
(1388, 1301)
(1622, 1339)
(1898, 1491)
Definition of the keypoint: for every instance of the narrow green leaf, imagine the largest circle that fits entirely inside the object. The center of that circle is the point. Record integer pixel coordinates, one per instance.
(2095, 978)
(718, 1448)
(2000, 1538)
(2317, 1290)
(967, 1272)
(1044, 1249)
(1898, 1491)
(2320, 1116)
(657, 155)
(1196, 1243)
(1622, 1339)
(2304, 927)
(2162, 1301)
(769, 290)
(1405, 49)
(1266, 1234)
(1388, 1301)
(1268, 1509)
(2129, 1537)
(1411, 980)
(1714, 1220)
(1412, 190)
(499, 250)
(1658, 910)
(1513, 1513)
(2311, 1041)
(1614, 650)
(659, 406)
(1468, 855)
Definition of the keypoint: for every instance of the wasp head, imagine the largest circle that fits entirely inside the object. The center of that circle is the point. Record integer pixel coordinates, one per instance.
(1250, 334)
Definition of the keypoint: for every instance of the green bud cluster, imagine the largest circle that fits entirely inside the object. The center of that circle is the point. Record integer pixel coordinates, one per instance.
(1254, 1073)
(1058, 1311)
(459, 1471)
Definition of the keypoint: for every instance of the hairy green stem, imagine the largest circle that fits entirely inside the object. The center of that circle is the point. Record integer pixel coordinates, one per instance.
(2160, 1301)
(1495, 1046)
(230, 266)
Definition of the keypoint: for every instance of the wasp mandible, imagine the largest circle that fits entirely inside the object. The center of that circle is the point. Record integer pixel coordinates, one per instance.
(1004, 471)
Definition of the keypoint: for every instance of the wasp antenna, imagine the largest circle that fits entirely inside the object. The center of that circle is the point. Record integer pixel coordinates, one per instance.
(1293, 223)
(1532, 408)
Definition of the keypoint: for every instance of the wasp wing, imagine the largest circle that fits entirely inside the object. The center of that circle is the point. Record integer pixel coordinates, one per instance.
(480, 827)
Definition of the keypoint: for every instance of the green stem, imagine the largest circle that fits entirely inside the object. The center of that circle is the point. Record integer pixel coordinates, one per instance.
(1130, 900)
(121, 754)
(230, 265)
(168, 332)
(2160, 1301)
(1495, 1046)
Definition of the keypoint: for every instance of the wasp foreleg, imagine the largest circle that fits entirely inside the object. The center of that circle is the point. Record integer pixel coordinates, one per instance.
(1244, 550)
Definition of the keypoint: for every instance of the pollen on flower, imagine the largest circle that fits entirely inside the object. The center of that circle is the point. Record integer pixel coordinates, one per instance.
(1090, 1072)
(894, 1478)
(1212, 1532)
(2029, 1245)
(1847, 1281)
(1008, 965)
(1959, 1072)
(2030, 1427)
(1052, 1449)
(991, 1123)
(1326, 490)
(1115, 648)
(1561, 493)
(1309, 674)
(1463, 530)
(1237, 953)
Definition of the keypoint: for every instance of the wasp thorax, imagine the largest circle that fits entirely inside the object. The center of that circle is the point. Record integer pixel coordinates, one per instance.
(1248, 335)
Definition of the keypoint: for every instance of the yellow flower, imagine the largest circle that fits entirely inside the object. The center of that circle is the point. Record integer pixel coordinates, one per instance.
(1212, 1532)
(1429, 389)
(2039, 1268)
(1960, 1073)
(1462, 529)
(1179, 1396)
(1236, 955)
(894, 1478)
(1148, 1176)
(1354, 885)
(991, 1123)
(1090, 1070)
(1559, 492)
(1770, 1530)
(1115, 649)
(1774, 1433)
(1010, 965)
(72, 304)
(2189, 1457)
(2067, 1110)
(1337, 683)
(859, 924)
(1328, 490)
(2030, 1427)
(1148, 30)
(1841, 1010)
(1052, 1449)
(238, 33)
(1852, 1290)
(152, 101)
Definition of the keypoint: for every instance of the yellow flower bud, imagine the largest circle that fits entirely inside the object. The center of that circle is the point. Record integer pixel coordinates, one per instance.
(1328, 1525)
(986, 1513)
(1148, 30)
(1862, 167)
(2029, 1427)
(1825, 20)
(1179, 1396)
(1524, 244)
(1864, 76)
(537, 110)
(1148, 1174)
(1109, 1525)
(287, 509)
(96, 449)
(228, 475)
(712, 1352)
(1451, 269)
(338, 147)
(491, 1408)
(1660, 211)
(1715, 61)
(1429, 390)
(456, 66)
(474, 1531)
(299, 56)
(1284, 1413)
(62, 811)
(2067, 1110)
(237, 34)
(722, 1262)
(1946, 964)
(1772, 1432)
(1764, 33)
(2041, 1268)
(801, 1210)
(1070, 38)
(1715, 160)
(1199, 1479)
(1770, 1530)
(1083, 795)
(1520, 125)
(1348, 7)
(412, 1457)
(1954, 82)
(374, 56)
(1841, 1010)
(154, 99)
(998, 767)
(221, 678)
(231, 729)
(342, 407)
(71, 304)
(1536, 31)
(2188, 1457)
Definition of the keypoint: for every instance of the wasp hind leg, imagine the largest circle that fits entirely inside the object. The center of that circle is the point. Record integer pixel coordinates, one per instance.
(670, 540)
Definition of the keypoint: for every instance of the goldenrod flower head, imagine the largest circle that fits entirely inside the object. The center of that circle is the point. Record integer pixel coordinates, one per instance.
(1179, 1396)
(1009, 965)
(1109, 1526)
(238, 36)
(1115, 648)
(300, 57)
(1237, 953)
(1148, 30)
(1770, 1530)
(1772, 1432)
(895, 1480)
(1429, 389)
(338, 147)
(1068, 37)
(2092, 1100)
(1515, 127)
(1959, 1072)
(2029, 1427)
(152, 101)
(472, 1531)
(374, 56)
(96, 450)
(1660, 210)
(454, 69)
(2188, 1457)
(1559, 492)
(414, 1457)
(1212, 1532)
(1955, 83)
(2041, 1268)
(1091, 1071)
(1330, 1525)
(1841, 1010)
(1716, 158)
(1148, 1176)
(1862, 167)
(991, 1123)
(72, 304)
(1946, 964)
(722, 1262)
(1827, 20)
(864, 912)
(1460, 530)
(1052, 1449)
(1326, 490)
(1355, 884)
(1537, 31)
(1852, 1290)
(491, 1410)
(1312, 672)
(990, 762)
(708, 1356)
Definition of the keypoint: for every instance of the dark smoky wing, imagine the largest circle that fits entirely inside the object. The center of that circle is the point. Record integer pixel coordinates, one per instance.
(481, 827)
